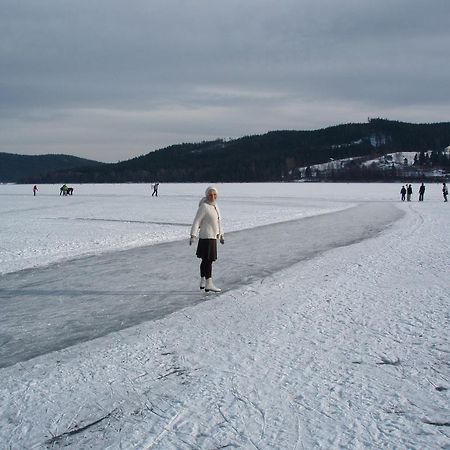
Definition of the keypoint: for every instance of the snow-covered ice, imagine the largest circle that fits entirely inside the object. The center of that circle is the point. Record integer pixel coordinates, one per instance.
(49, 228)
(346, 349)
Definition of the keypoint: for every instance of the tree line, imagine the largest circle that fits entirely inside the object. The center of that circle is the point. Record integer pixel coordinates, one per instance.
(269, 157)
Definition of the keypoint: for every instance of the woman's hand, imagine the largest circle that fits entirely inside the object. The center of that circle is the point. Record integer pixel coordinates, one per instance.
(191, 240)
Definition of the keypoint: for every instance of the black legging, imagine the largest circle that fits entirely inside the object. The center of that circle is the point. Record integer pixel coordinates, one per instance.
(206, 268)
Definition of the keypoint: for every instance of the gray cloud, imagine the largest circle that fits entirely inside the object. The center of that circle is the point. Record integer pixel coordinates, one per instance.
(111, 79)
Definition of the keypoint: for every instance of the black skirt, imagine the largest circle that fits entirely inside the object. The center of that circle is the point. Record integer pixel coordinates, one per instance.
(207, 249)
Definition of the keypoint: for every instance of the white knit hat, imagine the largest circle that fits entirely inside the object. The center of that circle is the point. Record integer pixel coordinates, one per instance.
(211, 188)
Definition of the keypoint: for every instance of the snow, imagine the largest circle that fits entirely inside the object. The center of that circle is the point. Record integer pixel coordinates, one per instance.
(397, 158)
(348, 348)
(386, 161)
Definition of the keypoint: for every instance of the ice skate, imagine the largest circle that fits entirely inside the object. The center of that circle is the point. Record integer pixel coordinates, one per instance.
(209, 287)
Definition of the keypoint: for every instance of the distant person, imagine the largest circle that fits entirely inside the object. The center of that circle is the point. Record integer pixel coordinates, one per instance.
(35, 189)
(63, 190)
(444, 192)
(208, 221)
(421, 192)
(403, 192)
(409, 192)
(69, 191)
(155, 187)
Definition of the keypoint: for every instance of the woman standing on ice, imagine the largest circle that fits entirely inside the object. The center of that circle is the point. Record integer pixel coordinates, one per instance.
(208, 221)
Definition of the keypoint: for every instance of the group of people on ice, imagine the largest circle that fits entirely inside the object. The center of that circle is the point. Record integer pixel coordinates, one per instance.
(406, 192)
(65, 190)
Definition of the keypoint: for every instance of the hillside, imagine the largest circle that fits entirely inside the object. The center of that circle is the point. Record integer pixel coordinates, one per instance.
(15, 168)
(274, 156)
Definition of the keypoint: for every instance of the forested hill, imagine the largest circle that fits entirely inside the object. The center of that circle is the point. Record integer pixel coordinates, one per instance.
(14, 168)
(268, 157)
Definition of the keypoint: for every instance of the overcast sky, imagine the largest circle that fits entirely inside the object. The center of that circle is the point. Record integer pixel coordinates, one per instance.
(114, 79)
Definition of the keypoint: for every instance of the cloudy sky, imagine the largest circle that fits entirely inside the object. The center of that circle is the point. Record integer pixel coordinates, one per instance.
(114, 79)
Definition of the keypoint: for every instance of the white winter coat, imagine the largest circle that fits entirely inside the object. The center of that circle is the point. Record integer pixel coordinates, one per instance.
(208, 221)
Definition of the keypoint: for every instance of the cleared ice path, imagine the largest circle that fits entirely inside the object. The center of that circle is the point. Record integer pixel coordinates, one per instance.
(50, 308)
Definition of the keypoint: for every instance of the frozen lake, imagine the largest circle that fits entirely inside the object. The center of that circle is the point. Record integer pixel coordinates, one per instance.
(332, 330)
(35, 231)
(97, 218)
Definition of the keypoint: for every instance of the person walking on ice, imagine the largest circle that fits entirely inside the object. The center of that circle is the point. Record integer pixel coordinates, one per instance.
(403, 192)
(421, 192)
(444, 191)
(35, 189)
(155, 189)
(208, 221)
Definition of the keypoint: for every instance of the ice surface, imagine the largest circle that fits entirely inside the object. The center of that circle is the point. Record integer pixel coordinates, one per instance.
(345, 349)
(47, 228)
(66, 303)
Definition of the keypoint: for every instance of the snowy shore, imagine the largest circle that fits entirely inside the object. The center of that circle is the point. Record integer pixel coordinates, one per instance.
(348, 349)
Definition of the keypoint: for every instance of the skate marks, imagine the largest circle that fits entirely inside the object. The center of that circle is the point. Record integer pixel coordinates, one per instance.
(303, 359)
(138, 394)
(389, 361)
(287, 382)
(379, 402)
(176, 399)
(57, 439)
